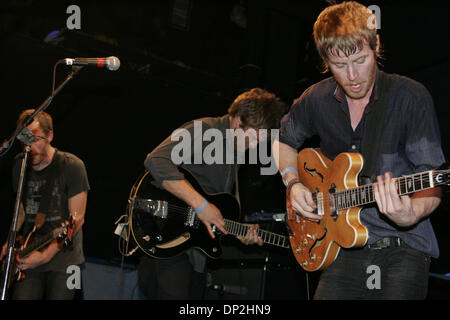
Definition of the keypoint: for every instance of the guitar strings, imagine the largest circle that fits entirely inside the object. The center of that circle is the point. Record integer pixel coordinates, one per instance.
(233, 226)
(417, 181)
(241, 229)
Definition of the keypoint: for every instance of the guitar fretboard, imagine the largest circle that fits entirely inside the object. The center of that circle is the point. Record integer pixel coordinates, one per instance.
(36, 245)
(240, 229)
(365, 194)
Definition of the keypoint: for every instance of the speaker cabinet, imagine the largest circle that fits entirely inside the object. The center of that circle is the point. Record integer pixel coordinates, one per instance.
(255, 273)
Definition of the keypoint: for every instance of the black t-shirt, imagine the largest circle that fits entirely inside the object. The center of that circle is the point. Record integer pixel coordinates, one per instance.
(48, 192)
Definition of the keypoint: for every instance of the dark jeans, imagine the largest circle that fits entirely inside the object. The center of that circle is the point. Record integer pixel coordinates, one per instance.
(50, 285)
(395, 273)
(170, 279)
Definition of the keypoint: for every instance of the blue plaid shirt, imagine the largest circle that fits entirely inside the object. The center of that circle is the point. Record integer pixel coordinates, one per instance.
(410, 141)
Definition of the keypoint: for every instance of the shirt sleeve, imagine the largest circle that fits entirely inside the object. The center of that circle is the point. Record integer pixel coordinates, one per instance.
(76, 175)
(296, 125)
(177, 149)
(423, 141)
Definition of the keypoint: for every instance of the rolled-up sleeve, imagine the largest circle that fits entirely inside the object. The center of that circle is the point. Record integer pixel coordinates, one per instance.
(160, 161)
(295, 126)
(160, 164)
(423, 141)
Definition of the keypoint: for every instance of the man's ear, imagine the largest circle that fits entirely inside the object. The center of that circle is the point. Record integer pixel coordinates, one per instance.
(235, 122)
(50, 136)
(378, 44)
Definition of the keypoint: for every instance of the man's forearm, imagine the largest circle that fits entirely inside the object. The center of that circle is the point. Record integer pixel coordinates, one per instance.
(425, 202)
(183, 190)
(287, 158)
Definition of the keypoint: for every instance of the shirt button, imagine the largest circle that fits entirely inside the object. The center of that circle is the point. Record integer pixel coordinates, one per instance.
(353, 147)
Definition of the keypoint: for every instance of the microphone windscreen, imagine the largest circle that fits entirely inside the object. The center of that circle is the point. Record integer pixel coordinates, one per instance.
(113, 63)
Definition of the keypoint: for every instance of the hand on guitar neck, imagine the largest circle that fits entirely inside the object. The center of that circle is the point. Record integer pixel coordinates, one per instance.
(251, 236)
(404, 210)
(210, 215)
(330, 196)
(27, 253)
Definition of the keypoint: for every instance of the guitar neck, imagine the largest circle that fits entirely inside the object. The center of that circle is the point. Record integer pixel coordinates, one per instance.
(363, 195)
(239, 229)
(36, 245)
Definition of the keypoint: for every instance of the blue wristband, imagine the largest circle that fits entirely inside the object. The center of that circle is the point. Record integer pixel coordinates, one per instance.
(201, 207)
(286, 170)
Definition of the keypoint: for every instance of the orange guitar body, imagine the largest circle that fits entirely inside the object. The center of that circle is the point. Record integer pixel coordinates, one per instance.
(316, 244)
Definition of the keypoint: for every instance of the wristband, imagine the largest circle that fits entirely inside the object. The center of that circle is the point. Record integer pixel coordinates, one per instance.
(288, 169)
(290, 185)
(285, 171)
(201, 207)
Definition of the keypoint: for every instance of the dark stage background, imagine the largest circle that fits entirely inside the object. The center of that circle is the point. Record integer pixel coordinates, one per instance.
(182, 59)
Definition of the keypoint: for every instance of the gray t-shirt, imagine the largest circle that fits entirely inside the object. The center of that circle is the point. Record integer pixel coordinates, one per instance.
(214, 177)
(48, 192)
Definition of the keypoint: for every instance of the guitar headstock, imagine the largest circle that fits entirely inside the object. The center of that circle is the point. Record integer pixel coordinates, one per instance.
(64, 233)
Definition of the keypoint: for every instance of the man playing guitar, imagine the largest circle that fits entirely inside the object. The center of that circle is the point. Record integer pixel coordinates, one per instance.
(183, 276)
(55, 189)
(400, 236)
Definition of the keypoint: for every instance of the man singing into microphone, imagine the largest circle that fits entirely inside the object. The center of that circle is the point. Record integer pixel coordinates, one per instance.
(55, 188)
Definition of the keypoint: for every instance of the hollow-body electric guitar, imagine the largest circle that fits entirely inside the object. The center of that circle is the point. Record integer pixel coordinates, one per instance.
(164, 226)
(335, 190)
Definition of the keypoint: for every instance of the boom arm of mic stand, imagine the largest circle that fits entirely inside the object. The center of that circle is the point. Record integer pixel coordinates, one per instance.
(13, 232)
(47, 102)
(7, 145)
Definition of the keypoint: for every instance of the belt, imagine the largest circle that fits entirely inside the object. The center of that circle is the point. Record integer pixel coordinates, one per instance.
(393, 242)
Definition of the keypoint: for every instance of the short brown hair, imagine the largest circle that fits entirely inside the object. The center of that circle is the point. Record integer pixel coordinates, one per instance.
(258, 109)
(346, 27)
(45, 120)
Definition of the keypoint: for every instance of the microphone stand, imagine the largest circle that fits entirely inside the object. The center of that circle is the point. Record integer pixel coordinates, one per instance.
(24, 134)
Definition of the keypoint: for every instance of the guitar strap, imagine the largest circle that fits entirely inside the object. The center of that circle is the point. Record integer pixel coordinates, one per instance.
(372, 132)
(47, 197)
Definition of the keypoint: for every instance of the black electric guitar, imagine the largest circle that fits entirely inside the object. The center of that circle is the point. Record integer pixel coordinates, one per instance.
(164, 226)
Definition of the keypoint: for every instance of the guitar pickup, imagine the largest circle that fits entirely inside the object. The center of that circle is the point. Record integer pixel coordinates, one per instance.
(190, 218)
(158, 208)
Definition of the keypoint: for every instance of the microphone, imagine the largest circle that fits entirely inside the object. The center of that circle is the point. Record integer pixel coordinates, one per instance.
(26, 136)
(112, 63)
